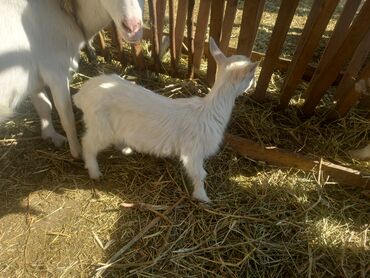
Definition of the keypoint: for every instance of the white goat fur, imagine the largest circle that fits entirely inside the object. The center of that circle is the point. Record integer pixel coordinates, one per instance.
(118, 112)
(40, 44)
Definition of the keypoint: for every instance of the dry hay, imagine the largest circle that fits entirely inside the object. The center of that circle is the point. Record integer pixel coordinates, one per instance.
(265, 221)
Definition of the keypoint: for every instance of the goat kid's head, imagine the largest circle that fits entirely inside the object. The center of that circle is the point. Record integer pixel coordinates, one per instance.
(127, 16)
(239, 70)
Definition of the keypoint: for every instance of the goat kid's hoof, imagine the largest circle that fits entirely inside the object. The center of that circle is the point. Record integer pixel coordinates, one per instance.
(202, 198)
(95, 175)
(57, 139)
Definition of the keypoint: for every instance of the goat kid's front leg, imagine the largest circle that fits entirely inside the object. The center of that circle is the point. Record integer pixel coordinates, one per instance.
(43, 107)
(60, 91)
(197, 174)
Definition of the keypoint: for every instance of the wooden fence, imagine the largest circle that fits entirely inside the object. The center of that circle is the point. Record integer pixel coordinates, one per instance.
(344, 61)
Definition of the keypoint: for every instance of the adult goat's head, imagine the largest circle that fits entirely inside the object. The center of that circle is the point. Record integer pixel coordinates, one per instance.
(128, 17)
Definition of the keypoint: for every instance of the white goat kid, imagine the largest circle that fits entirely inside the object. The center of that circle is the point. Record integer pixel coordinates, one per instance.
(118, 112)
(40, 44)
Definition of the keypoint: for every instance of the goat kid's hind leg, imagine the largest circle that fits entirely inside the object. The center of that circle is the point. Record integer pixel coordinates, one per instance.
(90, 150)
(43, 107)
(59, 87)
(197, 174)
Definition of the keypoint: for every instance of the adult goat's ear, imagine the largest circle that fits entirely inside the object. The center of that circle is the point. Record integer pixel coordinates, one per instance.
(216, 52)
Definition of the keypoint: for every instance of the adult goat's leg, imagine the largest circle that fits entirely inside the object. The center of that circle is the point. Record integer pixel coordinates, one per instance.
(43, 107)
(63, 103)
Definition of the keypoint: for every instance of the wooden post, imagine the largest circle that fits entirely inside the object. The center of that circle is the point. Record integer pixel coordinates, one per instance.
(318, 18)
(252, 12)
(358, 30)
(155, 50)
(180, 28)
(217, 13)
(190, 39)
(285, 16)
(172, 35)
(200, 33)
(227, 25)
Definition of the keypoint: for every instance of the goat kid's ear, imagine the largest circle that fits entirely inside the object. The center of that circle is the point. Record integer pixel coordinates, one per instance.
(216, 52)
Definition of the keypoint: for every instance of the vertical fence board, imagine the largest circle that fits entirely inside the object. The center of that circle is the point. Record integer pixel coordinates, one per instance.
(318, 18)
(337, 37)
(155, 48)
(359, 28)
(172, 34)
(189, 24)
(200, 33)
(217, 13)
(353, 68)
(350, 98)
(180, 27)
(227, 25)
(252, 12)
(282, 24)
(161, 14)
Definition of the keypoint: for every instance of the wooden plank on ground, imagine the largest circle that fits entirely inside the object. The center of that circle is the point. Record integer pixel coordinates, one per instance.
(180, 27)
(279, 157)
(227, 25)
(318, 18)
(350, 98)
(252, 12)
(282, 24)
(336, 39)
(200, 33)
(353, 68)
(190, 40)
(358, 30)
(217, 13)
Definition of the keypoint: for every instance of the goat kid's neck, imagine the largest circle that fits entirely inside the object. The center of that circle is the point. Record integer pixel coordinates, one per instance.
(220, 101)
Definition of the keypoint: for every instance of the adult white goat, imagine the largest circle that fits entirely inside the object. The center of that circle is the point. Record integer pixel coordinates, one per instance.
(118, 112)
(40, 41)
